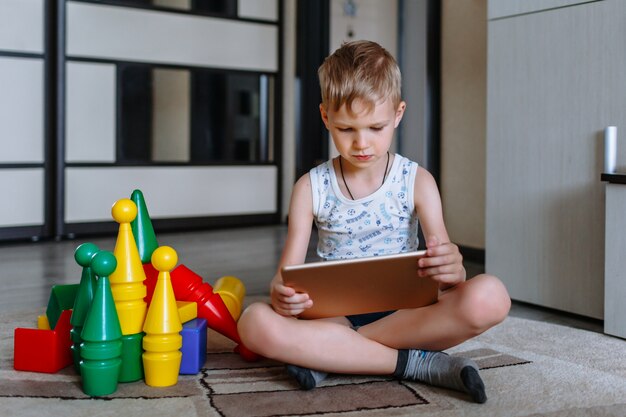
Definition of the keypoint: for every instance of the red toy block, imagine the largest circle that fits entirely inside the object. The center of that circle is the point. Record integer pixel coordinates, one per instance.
(152, 276)
(38, 350)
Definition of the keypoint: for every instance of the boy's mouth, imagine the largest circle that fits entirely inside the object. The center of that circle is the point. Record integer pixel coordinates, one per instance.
(362, 157)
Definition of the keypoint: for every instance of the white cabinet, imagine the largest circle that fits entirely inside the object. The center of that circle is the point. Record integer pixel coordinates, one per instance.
(615, 261)
(556, 79)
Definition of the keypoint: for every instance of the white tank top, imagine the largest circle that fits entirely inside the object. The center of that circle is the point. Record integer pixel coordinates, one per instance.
(382, 223)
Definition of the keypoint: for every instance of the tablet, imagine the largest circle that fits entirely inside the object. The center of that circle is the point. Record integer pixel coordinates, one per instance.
(362, 285)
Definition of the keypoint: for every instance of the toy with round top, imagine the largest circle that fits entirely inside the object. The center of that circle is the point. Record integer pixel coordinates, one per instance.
(83, 255)
(127, 282)
(101, 347)
(162, 342)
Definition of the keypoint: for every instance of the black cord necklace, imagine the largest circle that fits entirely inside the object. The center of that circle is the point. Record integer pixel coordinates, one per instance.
(346, 184)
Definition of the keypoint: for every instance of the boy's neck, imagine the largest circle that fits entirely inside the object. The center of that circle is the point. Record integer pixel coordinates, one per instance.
(356, 182)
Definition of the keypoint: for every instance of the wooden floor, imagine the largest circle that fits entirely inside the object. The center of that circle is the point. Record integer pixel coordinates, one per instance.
(28, 270)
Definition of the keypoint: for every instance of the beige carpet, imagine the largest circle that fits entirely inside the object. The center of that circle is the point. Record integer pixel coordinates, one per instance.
(529, 368)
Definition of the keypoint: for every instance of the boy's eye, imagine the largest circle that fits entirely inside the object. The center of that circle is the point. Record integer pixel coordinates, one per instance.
(376, 128)
(344, 129)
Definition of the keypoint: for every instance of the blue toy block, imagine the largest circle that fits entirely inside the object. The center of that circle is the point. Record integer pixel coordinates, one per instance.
(194, 335)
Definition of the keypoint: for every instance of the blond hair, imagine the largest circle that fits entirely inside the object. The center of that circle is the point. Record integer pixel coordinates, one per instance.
(361, 70)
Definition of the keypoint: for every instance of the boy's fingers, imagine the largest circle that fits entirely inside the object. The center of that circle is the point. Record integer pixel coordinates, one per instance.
(442, 250)
(447, 259)
(285, 290)
(292, 309)
(296, 298)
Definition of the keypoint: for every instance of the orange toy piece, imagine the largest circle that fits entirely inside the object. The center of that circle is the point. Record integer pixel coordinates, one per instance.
(162, 342)
(188, 286)
(39, 350)
(127, 282)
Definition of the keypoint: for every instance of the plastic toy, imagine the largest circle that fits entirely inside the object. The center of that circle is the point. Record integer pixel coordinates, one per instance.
(188, 286)
(143, 231)
(83, 256)
(127, 280)
(232, 291)
(150, 282)
(104, 335)
(39, 350)
(194, 346)
(132, 362)
(61, 298)
(187, 310)
(42, 322)
(101, 347)
(162, 342)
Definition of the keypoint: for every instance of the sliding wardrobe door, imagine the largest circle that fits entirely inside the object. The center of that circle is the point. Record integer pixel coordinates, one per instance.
(178, 99)
(23, 119)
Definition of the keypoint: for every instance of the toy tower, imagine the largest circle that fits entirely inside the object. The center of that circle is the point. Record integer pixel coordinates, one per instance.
(162, 342)
(127, 285)
(83, 256)
(101, 347)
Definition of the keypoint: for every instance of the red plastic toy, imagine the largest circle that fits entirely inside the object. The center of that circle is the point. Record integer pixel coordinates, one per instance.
(188, 286)
(38, 350)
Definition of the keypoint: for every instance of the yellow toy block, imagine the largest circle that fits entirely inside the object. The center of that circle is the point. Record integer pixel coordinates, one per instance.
(187, 310)
(43, 323)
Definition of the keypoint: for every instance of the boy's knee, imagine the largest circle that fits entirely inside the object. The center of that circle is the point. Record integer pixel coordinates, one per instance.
(488, 303)
(256, 326)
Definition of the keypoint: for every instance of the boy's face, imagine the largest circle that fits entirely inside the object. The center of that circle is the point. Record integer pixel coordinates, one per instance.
(363, 136)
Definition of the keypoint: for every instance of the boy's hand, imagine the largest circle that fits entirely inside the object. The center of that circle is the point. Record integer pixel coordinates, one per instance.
(443, 263)
(286, 301)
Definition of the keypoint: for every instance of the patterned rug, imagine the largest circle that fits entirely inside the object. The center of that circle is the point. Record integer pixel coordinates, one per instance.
(529, 368)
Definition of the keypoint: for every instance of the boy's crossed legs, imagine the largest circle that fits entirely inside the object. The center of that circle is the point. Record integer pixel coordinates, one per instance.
(332, 346)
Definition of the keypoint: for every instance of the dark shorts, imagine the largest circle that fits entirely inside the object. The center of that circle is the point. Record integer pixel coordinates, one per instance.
(359, 320)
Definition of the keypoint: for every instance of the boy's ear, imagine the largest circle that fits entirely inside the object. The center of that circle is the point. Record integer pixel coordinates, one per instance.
(324, 115)
(400, 113)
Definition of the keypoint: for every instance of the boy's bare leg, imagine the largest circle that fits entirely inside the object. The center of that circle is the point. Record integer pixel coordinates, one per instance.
(332, 347)
(319, 344)
(461, 313)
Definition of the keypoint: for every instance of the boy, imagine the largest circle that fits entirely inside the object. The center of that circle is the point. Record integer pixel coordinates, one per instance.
(367, 202)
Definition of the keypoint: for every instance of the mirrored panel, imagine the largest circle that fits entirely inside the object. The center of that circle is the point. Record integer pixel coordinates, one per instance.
(223, 8)
(192, 115)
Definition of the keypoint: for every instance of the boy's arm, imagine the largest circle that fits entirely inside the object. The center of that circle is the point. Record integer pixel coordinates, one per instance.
(443, 262)
(284, 299)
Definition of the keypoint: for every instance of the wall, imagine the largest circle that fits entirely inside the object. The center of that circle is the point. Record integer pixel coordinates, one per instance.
(372, 20)
(463, 119)
(417, 125)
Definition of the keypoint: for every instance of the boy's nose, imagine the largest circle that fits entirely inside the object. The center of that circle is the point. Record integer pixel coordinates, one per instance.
(359, 141)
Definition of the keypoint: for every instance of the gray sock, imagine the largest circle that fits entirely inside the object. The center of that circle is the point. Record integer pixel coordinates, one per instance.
(307, 378)
(441, 370)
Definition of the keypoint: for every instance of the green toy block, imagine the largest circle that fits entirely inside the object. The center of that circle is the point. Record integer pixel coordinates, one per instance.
(61, 298)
